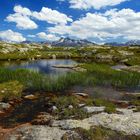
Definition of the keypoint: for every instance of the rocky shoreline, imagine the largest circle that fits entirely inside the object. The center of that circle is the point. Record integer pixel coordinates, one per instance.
(47, 126)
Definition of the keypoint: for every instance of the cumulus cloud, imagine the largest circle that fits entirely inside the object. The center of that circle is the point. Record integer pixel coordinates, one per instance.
(11, 36)
(49, 37)
(51, 16)
(23, 17)
(112, 24)
(22, 21)
(22, 10)
(96, 4)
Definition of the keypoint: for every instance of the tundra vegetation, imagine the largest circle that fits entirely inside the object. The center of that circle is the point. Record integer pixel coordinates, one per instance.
(51, 91)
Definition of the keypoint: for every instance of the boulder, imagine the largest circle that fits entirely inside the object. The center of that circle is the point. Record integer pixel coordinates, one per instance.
(93, 109)
(70, 106)
(80, 94)
(54, 108)
(30, 97)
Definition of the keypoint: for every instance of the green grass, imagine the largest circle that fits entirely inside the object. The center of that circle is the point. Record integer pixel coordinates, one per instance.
(97, 74)
(104, 75)
(109, 106)
(11, 90)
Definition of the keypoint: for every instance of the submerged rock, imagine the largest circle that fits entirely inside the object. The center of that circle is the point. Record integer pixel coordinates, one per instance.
(4, 106)
(43, 119)
(73, 67)
(64, 66)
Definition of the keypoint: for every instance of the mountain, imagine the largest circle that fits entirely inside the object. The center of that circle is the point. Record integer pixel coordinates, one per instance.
(133, 43)
(72, 42)
(129, 43)
(114, 44)
(27, 42)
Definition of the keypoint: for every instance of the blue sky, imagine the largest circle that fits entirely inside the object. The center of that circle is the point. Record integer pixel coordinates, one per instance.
(95, 20)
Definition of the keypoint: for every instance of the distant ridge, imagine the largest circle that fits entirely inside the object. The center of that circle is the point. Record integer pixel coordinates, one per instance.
(133, 42)
(72, 42)
(69, 42)
(129, 43)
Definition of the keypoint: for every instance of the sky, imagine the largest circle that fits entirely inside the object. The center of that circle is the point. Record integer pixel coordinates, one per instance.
(98, 21)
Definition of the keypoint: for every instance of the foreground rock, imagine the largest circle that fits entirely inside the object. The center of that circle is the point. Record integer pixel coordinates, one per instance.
(130, 124)
(36, 133)
(94, 109)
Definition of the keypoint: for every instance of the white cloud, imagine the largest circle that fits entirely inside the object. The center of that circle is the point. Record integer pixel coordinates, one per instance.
(11, 36)
(22, 10)
(96, 4)
(23, 17)
(112, 24)
(51, 16)
(49, 37)
(22, 21)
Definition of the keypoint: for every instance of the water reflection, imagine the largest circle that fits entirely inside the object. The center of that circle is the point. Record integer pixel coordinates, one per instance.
(42, 66)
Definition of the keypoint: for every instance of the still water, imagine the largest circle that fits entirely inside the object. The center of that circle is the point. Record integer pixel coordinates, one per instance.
(42, 66)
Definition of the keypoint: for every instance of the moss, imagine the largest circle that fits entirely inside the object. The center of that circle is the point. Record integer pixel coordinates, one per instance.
(75, 113)
(136, 102)
(110, 109)
(99, 133)
(10, 90)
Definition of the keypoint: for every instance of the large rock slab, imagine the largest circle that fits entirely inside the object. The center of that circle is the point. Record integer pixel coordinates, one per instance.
(36, 133)
(130, 124)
